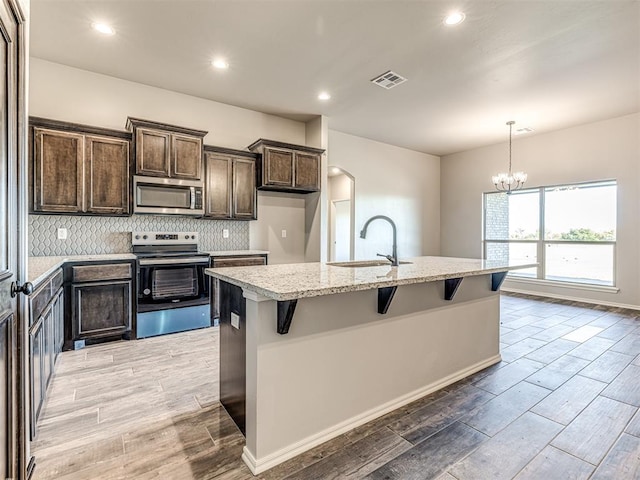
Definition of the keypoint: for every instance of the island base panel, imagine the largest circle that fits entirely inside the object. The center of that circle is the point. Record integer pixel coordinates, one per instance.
(233, 352)
(343, 364)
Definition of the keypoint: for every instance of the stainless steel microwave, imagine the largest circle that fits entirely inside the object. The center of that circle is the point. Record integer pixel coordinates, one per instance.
(167, 196)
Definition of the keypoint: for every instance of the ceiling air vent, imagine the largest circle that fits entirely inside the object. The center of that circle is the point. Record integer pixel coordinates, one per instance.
(388, 80)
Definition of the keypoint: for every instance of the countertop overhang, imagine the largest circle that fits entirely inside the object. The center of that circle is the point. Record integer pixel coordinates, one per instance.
(287, 282)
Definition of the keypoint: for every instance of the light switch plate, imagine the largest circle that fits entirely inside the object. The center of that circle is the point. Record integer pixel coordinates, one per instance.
(235, 320)
(225, 233)
(284, 234)
(62, 234)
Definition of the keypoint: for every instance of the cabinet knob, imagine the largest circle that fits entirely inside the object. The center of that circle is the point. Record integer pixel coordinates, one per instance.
(26, 288)
(144, 237)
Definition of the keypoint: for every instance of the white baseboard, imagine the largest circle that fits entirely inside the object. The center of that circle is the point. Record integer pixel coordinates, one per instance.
(258, 466)
(570, 298)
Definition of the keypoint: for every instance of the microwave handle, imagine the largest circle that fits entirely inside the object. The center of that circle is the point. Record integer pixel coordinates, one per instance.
(193, 198)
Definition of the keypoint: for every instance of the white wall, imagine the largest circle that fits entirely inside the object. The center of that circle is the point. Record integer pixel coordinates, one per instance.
(393, 181)
(65, 93)
(603, 150)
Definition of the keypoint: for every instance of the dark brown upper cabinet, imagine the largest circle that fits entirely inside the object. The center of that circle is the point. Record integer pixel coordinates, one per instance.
(230, 184)
(163, 150)
(78, 169)
(286, 167)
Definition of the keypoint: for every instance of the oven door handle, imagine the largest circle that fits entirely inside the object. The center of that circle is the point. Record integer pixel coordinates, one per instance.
(173, 261)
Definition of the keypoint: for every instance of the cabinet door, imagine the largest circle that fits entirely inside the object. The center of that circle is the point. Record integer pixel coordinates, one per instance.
(277, 167)
(36, 366)
(186, 158)
(101, 309)
(153, 151)
(47, 348)
(58, 324)
(307, 171)
(218, 171)
(107, 175)
(244, 189)
(57, 169)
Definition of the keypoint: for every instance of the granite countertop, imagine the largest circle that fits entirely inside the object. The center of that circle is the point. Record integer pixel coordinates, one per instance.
(302, 280)
(233, 253)
(41, 267)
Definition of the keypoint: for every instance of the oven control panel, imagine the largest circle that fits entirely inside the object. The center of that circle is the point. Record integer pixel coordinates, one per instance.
(164, 238)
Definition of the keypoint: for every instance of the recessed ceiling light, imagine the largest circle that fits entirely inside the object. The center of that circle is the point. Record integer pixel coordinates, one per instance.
(220, 64)
(454, 18)
(103, 28)
(324, 96)
(335, 170)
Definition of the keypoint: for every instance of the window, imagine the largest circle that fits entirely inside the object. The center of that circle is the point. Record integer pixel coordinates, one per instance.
(579, 231)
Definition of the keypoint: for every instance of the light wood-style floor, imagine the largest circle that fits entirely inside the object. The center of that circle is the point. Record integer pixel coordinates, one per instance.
(562, 404)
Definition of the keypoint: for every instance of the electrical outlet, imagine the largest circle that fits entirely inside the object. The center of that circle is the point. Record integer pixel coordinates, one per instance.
(284, 234)
(235, 320)
(62, 234)
(225, 233)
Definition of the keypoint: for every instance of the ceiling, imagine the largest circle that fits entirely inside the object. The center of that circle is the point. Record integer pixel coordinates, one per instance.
(545, 64)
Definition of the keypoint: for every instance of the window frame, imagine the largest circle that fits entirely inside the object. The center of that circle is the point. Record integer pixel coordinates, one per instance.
(540, 242)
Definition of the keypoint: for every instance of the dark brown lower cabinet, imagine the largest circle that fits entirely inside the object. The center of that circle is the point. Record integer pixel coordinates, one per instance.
(101, 309)
(229, 261)
(45, 343)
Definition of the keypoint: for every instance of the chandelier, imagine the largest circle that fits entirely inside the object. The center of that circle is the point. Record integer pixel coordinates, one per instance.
(508, 182)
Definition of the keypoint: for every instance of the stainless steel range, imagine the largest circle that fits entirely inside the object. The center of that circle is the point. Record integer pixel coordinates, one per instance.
(172, 291)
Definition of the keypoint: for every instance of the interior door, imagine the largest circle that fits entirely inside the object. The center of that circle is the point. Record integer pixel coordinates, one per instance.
(12, 250)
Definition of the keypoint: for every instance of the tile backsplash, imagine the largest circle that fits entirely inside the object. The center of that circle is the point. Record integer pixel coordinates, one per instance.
(89, 235)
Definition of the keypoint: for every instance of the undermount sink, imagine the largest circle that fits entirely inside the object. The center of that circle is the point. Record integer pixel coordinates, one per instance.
(365, 263)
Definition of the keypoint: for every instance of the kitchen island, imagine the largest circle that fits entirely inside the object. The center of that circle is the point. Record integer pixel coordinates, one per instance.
(309, 351)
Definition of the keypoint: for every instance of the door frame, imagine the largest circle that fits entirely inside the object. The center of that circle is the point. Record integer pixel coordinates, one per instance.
(24, 462)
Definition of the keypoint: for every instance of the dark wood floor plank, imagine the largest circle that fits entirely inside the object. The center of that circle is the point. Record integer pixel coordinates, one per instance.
(434, 417)
(594, 431)
(565, 403)
(552, 351)
(504, 455)
(552, 463)
(351, 457)
(506, 377)
(626, 386)
(607, 366)
(622, 462)
(556, 373)
(500, 411)
(432, 457)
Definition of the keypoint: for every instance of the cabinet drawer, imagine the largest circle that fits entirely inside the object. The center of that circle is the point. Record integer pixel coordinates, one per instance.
(238, 261)
(56, 282)
(89, 273)
(38, 301)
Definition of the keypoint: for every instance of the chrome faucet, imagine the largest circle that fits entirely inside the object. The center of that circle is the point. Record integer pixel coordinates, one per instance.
(393, 258)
